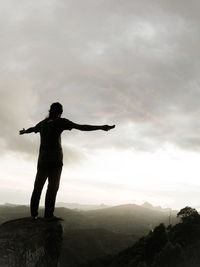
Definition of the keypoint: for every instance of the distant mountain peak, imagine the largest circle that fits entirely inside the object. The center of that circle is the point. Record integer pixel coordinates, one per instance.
(158, 208)
(77, 206)
(147, 205)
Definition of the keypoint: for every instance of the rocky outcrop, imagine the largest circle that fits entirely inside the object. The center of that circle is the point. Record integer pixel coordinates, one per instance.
(28, 243)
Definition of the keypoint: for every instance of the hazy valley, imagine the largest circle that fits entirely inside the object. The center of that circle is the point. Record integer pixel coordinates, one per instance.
(95, 233)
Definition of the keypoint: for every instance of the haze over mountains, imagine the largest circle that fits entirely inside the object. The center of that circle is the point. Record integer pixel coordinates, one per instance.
(94, 233)
(173, 246)
(81, 206)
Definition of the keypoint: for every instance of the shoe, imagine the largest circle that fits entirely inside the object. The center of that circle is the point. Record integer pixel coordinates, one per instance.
(34, 218)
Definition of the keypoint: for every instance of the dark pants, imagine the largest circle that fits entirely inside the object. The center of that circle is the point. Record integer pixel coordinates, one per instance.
(52, 171)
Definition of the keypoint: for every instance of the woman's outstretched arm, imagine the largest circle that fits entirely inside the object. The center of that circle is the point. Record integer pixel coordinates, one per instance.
(86, 127)
(29, 130)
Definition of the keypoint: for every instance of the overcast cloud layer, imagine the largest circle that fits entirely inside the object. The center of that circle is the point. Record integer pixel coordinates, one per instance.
(130, 63)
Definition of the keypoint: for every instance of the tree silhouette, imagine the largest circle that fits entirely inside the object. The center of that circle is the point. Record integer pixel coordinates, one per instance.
(187, 214)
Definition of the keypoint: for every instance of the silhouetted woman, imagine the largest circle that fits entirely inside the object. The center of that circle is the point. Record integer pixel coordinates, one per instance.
(50, 160)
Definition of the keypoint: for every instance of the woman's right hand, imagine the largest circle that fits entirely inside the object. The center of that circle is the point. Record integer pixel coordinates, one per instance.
(22, 131)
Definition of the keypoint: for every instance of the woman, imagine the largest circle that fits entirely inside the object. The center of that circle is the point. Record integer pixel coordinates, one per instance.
(50, 160)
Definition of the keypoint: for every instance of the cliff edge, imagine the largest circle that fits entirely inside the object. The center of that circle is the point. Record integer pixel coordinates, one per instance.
(28, 243)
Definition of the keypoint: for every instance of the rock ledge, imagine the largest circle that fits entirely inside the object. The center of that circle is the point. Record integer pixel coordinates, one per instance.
(28, 243)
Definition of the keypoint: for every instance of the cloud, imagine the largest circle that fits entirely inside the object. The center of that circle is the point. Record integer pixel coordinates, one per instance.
(18, 104)
(133, 64)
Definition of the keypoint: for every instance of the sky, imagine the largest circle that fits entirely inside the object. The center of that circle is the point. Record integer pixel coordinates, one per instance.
(131, 63)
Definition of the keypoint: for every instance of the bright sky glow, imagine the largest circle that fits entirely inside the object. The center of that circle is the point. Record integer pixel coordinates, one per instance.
(114, 178)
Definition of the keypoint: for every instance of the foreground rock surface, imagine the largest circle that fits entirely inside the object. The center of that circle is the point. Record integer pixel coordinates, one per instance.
(28, 243)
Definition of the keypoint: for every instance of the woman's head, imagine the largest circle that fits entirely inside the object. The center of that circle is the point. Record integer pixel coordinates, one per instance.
(55, 111)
